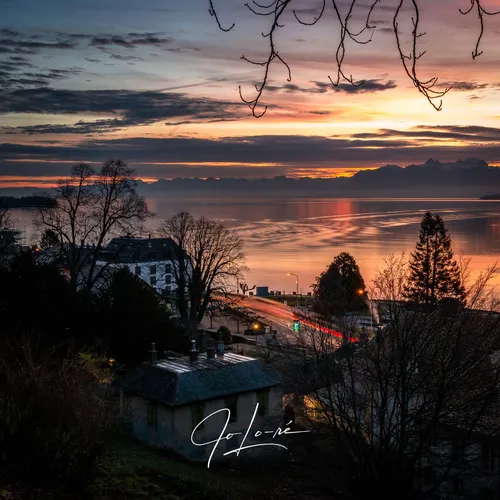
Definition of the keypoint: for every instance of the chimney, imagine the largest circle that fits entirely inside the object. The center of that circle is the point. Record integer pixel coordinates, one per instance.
(153, 354)
(210, 350)
(193, 353)
(220, 346)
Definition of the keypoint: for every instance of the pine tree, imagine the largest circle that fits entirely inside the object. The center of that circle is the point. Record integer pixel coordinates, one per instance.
(434, 275)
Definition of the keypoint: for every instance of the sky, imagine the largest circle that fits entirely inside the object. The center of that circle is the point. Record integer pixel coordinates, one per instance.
(155, 83)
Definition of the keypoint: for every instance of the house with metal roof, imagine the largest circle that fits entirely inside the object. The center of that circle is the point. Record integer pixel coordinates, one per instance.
(182, 402)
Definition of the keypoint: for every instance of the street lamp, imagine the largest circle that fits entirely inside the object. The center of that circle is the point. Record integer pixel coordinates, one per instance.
(297, 285)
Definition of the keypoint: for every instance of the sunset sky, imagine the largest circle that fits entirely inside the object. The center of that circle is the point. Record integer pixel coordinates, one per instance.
(155, 82)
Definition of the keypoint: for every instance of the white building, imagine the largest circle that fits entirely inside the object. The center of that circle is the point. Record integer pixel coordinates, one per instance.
(151, 259)
(166, 400)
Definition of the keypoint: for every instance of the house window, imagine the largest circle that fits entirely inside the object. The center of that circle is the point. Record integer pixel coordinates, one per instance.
(168, 268)
(263, 400)
(232, 405)
(137, 271)
(168, 279)
(153, 416)
(152, 269)
(152, 280)
(197, 413)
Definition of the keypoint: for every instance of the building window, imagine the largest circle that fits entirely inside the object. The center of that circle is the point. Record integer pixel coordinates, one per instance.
(168, 279)
(231, 403)
(153, 416)
(137, 271)
(263, 400)
(152, 280)
(152, 269)
(168, 268)
(197, 413)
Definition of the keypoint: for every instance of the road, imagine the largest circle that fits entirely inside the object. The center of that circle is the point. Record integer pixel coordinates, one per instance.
(281, 317)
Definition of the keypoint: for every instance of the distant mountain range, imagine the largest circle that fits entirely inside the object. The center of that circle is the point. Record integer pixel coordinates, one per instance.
(470, 178)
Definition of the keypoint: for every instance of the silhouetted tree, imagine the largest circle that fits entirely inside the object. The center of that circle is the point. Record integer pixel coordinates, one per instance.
(246, 288)
(340, 288)
(402, 409)
(93, 207)
(405, 17)
(37, 298)
(207, 259)
(54, 412)
(49, 239)
(434, 275)
(133, 315)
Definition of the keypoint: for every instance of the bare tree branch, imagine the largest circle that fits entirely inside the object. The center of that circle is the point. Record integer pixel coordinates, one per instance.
(276, 10)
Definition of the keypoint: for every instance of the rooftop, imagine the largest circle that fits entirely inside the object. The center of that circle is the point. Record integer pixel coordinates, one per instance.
(177, 381)
(128, 249)
(184, 365)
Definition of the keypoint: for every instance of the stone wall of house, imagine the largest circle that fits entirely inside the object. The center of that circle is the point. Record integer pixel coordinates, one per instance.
(172, 428)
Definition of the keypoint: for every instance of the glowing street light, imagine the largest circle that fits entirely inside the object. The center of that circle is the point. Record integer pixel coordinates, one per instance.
(360, 291)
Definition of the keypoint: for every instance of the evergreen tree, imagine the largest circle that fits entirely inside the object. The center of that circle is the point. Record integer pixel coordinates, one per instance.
(340, 288)
(434, 275)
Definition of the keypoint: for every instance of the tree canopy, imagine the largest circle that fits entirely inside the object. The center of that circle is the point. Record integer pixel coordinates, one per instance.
(132, 316)
(91, 208)
(208, 259)
(434, 274)
(340, 288)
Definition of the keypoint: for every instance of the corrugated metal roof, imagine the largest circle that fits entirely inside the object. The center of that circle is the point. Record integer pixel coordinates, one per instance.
(183, 365)
(176, 382)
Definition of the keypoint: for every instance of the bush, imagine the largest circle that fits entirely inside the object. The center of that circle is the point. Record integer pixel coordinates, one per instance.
(53, 414)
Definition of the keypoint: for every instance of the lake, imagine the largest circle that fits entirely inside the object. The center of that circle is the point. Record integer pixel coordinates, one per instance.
(302, 236)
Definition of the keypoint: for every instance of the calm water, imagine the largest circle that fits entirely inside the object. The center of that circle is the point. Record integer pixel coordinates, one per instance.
(303, 235)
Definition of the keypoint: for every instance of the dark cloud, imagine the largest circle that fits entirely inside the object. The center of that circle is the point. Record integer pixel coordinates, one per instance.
(383, 147)
(130, 42)
(368, 86)
(119, 57)
(10, 77)
(472, 134)
(465, 86)
(9, 32)
(130, 108)
(29, 45)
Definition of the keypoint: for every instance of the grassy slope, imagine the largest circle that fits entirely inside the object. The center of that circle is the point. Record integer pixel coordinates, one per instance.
(131, 470)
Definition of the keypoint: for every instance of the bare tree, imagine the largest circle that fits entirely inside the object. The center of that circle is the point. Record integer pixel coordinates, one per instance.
(411, 408)
(208, 259)
(7, 236)
(93, 207)
(245, 287)
(345, 13)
